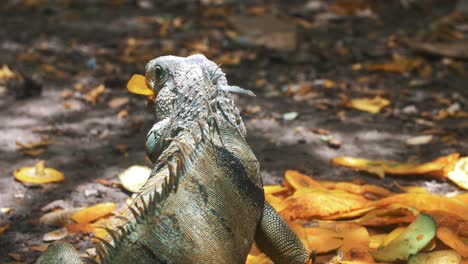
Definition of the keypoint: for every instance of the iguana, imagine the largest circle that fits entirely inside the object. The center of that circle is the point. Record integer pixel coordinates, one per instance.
(204, 200)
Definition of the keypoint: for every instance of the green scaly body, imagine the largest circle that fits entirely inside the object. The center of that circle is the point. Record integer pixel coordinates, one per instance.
(204, 201)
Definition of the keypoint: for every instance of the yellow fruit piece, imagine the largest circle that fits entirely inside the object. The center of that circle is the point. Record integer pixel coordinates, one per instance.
(355, 242)
(38, 174)
(321, 240)
(92, 213)
(296, 180)
(275, 189)
(258, 259)
(138, 85)
(307, 203)
(371, 105)
(452, 240)
(438, 168)
(459, 174)
(427, 202)
(392, 235)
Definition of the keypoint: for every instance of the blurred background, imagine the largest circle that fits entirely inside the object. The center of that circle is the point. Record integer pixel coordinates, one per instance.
(65, 65)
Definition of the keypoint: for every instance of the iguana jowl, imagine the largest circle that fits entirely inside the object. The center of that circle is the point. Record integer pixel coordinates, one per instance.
(204, 201)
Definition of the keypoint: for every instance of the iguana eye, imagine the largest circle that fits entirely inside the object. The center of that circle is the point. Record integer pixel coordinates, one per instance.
(157, 76)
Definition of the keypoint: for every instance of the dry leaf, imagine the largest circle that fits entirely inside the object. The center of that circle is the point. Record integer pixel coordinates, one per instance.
(94, 94)
(40, 248)
(6, 73)
(80, 228)
(4, 228)
(15, 256)
(371, 105)
(55, 235)
(58, 217)
(134, 177)
(400, 64)
(38, 174)
(34, 152)
(44, 142)
(92, 213)
(419, 140)
(118, 102)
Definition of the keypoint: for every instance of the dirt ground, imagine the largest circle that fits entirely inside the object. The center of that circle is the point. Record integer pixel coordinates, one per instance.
(305, 57)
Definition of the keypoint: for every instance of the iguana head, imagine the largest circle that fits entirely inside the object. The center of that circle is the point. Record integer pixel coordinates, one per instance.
(186, 91)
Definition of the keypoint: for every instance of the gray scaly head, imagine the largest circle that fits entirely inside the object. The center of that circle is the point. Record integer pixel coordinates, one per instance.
(189, 90)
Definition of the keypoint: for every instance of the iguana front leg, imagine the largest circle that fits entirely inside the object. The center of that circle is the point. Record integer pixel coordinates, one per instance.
(274, 238)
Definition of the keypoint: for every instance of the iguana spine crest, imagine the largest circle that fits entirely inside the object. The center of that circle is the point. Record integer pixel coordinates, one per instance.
(142, 210)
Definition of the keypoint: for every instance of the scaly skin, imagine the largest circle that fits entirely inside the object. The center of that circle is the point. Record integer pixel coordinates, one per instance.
(204, 201)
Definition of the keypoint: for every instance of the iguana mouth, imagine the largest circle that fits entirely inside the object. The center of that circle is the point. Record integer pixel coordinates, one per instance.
(138, 85)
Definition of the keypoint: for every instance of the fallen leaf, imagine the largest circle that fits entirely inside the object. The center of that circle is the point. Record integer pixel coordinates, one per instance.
(371, 105)
(419, 140)
(92, 213)
(118, 102)
(134, 177)
(400, 64)
(6, 73)
(55, 235)
(15, 256)
(229, 58)
(40, 248)
(94, 94)
(4, 228)
(122, 114)
(44, 142)
(34, 152)
(290, 116)
(38, 174)
(80, 228)
(58, 218)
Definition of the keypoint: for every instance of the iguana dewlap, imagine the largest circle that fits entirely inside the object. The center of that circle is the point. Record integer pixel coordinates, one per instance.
(204, 201)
